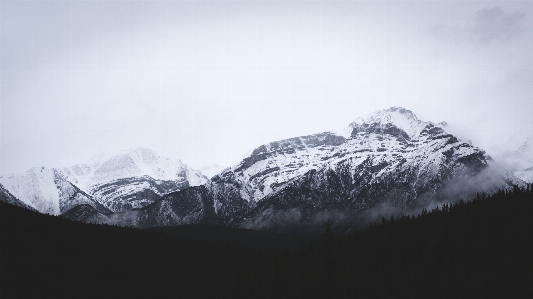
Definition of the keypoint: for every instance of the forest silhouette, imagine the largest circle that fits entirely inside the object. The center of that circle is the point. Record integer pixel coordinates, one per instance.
(480, 248)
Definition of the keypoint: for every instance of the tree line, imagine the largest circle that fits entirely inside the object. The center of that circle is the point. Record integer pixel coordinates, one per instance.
(481, 248)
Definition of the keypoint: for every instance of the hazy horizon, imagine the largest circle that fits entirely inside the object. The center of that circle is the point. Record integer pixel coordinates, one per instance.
(207, 82)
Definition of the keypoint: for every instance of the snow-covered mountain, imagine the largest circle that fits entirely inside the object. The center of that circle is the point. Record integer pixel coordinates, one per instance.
(107, 183)
(386, 160)
(132, 179)
(48, 191)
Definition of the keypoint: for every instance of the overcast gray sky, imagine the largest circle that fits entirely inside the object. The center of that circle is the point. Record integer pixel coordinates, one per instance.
(207, 82)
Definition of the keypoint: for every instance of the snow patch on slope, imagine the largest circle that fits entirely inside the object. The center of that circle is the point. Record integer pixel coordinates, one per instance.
(36, 188)
(523, 161)
(105, 168)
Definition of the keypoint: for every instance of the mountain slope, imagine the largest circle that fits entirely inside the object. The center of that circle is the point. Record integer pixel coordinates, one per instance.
(524, 157)
(108, 183)
(132, 179)
(6, 196)
(48, 191)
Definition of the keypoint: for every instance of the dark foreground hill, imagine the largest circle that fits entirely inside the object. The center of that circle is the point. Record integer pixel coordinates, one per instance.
(478, 249)
(44, 256)
(266, 242)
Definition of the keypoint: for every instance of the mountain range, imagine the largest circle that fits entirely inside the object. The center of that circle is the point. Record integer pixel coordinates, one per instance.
(383, 163)
(107, 183)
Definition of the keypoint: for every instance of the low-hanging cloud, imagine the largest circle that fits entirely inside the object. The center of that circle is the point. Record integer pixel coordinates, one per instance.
(495, 24)
(486, 25)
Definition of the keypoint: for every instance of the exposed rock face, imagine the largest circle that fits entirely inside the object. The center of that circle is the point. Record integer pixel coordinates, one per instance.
(84, 213)
(192, 205)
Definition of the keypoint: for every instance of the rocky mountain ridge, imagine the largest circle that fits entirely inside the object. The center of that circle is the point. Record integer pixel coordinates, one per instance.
(386, 161)
(107, 183)
(382, 163)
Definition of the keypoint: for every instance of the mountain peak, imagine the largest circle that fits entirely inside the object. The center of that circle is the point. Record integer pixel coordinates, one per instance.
(141, 151)
(399, 117)
(400, 110)
(119, 181)
(127, 163)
